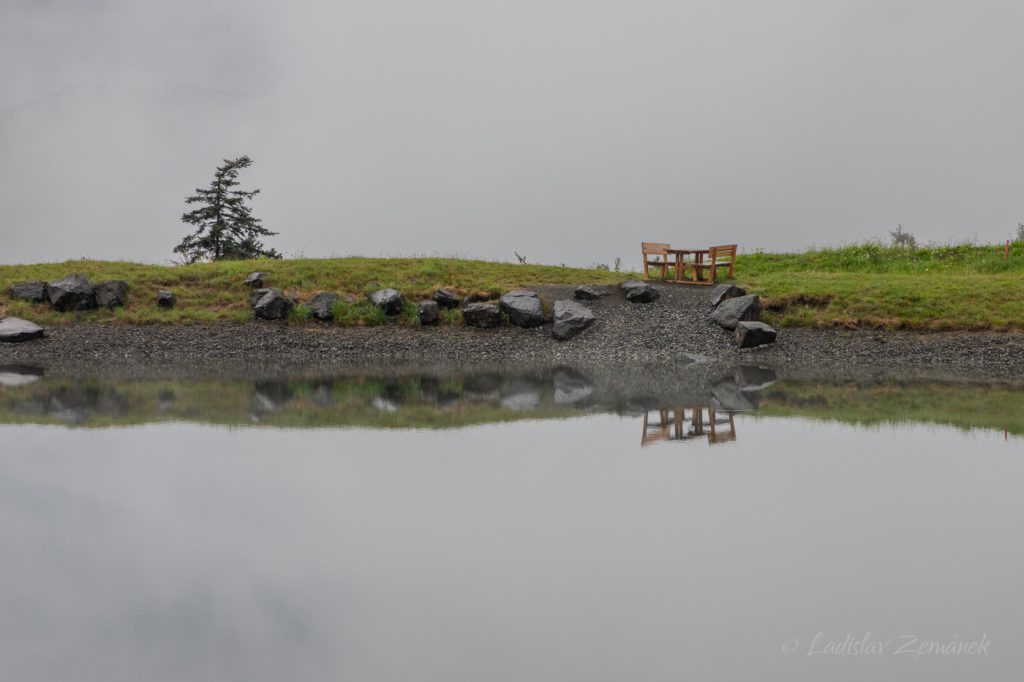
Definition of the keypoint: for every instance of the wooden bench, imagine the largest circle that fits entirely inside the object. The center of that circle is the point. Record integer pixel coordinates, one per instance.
(655, 254)
(718, 257)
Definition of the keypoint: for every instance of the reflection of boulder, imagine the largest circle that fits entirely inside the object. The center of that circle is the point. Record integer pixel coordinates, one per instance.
(481, 388)
(571, 387)
(30, 407)
(752, 378)
(269, 396)
(166, 399)
(522, 394)
(385, 404)
(12, 376)
(728, 396)
(322, 396)
(524, 400)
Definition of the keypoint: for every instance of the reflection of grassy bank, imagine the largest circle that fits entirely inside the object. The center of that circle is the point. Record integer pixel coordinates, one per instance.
(465, 399)
(358, 401)
(961, 406)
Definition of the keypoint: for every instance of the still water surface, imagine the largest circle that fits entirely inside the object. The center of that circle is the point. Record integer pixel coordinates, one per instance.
(519, 528)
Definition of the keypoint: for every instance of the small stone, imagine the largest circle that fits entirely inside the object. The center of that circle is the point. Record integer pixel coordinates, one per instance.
(166, 299)
(36, 292)
(112, 294)
(321, 306)
(447, 299)
(74, 292)
(723, 292)
(750, 334)
(570, 319)
(427, 312)
(388, 300)
(586, 292)
(524, 308)
(257, 279)
(639, 292)
(734, 310)
(16, 330)
(483, 315)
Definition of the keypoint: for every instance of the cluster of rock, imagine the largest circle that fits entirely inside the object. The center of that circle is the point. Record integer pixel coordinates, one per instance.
(736, 311)
(522, 308)
(75, 292)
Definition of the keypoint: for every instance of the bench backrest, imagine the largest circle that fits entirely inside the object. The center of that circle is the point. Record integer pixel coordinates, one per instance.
(655, 248)
(727, 251)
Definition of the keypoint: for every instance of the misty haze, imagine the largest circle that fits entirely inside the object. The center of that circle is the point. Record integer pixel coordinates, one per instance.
(560, 130)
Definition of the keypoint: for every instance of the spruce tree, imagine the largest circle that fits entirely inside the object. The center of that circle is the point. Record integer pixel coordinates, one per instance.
(227, 229)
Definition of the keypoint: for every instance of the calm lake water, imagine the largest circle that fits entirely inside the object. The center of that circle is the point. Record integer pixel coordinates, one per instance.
(541, 525)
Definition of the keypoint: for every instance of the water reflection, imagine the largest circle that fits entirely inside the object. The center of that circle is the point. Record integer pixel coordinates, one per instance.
(688, 424)
(671, 404)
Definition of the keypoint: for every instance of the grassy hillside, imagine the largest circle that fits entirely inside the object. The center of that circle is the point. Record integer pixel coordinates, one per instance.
(938, 287)
(863, 285)
(215, 291)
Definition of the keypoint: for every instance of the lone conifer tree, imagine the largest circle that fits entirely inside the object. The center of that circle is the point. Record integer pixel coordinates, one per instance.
(227, 229)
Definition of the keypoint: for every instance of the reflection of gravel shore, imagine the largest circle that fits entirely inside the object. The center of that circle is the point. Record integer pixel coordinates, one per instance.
(666, 331)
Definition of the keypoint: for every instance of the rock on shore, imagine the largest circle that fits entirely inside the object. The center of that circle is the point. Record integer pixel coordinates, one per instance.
(74, 292)
(570, 319)
(639, 292)
(735, 310)
(484, 315)
(112, 294)
(16, 330)
(524, 308)
(35, 292)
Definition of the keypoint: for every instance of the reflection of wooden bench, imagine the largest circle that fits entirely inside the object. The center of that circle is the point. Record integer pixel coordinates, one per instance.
(688, 423)
(655, 254)
(718, 257)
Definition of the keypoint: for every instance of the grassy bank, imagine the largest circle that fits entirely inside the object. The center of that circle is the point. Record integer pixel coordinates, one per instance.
(870, 285)
(865, 285)
(209, 292)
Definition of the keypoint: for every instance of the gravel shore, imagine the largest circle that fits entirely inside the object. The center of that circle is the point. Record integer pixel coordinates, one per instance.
(674, 329)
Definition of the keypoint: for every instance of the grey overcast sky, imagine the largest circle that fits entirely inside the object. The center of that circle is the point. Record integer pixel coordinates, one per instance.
(566, 130)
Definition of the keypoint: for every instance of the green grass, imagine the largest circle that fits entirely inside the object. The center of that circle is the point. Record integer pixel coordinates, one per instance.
(965, 286)
(209, 292)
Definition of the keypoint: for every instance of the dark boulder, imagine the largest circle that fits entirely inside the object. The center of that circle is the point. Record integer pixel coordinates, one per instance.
(36, 292)
(166, 299)
(74, 292)
(388, 300)
(524, 308)
(427, 312)
(735, 310)
(447, 299)
(321, 306)
(723, 292)
(586, 292)
(112, 294)
(273, 306)
(16, 330)
(481, 315)
(639, 292)
(258, 295)
(751, 334)
(570, 319)
(257, 279)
